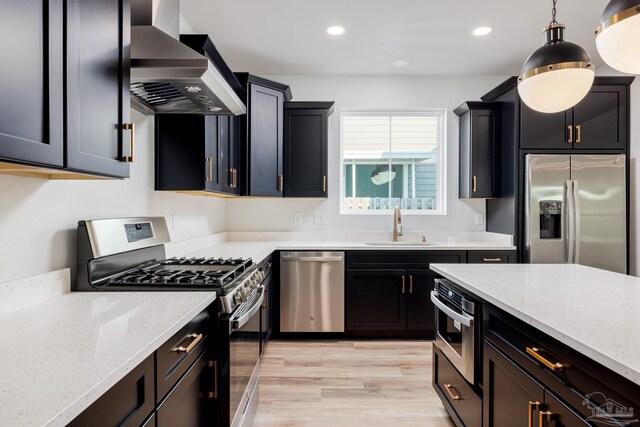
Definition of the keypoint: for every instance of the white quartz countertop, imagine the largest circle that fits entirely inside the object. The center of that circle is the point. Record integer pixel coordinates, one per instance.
(591, 310)
(60, 355)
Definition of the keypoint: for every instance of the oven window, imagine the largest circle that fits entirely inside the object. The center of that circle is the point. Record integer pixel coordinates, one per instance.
(450, 330)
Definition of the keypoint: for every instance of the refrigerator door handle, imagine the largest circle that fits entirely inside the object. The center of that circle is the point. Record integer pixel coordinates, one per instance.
(568, 221)
(576, 222)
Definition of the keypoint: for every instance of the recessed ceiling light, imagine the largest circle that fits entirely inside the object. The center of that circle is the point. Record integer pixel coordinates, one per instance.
(482, 31)
(335, 30)
(401, 63)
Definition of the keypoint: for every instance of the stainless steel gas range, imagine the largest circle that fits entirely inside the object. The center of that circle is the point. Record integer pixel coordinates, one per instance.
(128, 254)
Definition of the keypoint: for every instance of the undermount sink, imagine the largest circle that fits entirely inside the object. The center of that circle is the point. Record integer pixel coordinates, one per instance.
(400, 243)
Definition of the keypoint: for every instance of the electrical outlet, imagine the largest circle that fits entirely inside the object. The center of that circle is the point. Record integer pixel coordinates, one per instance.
(297, 218)
(319, 218)
(479, 219)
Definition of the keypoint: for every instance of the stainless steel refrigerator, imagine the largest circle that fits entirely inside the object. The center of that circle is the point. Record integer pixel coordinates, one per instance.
(576, 210)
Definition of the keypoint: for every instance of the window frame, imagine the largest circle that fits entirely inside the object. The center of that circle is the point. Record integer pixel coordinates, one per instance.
(441, 116)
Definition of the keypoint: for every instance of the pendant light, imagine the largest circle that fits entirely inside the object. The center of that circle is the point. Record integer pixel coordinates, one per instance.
(556, 76)
(618, 35)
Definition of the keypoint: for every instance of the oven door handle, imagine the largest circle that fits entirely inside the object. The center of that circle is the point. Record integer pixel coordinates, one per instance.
(461, 318)
(238, 323)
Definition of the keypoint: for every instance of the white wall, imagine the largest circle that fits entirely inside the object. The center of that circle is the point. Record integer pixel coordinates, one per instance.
(370, 92)
(38, 218)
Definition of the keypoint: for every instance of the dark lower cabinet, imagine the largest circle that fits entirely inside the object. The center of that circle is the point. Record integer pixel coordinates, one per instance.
(306, 148)
(375, 300)
(420, 310)
(187, 405)
(126, 404)
(492, 257)
(266, 318)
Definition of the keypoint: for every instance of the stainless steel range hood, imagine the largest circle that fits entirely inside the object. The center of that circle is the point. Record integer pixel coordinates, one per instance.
(166, 75)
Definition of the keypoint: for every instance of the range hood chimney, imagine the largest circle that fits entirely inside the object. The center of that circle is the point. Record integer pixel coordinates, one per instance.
(170, 77)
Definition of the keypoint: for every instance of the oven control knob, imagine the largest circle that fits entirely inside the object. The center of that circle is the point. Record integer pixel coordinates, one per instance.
(245, 292)
(237, 298)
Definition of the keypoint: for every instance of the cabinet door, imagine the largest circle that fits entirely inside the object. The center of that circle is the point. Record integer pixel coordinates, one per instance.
(265, 317)
(305, 153)
(31, 111)
(544, 131)
(97, 86)
(228, 154)
(484, 126)
(211, 152)
(375, 300)
(600, 119)
(420, 309)
(558, 414)
(265, 141)
(508, 392)
(233, 154)
(188, 404)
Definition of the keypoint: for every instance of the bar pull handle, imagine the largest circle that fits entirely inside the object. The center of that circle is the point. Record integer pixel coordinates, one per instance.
(410, 284)
(235, 178)
(213, 364)
(132, 128)
(196, 339)
(324, 183)
(403, 285)
(534, 352)
(492, 259)
(570, 127)
(533, 406)
(578, 134)
(448, 388)
(209, 166)
(280, 183)
(544, 416)
(475, 183)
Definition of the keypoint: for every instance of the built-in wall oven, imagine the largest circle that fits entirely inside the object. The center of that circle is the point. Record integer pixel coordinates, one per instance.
(458, 329)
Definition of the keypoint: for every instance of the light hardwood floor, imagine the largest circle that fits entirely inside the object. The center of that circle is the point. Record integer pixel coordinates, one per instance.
(348, 383)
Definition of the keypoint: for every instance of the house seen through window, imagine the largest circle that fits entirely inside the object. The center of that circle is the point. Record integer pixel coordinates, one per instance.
(392, 159)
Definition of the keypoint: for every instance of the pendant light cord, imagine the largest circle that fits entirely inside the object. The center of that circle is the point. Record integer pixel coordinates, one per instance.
(553, 13)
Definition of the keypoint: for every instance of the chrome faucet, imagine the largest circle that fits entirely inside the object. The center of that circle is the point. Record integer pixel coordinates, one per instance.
(397, 220)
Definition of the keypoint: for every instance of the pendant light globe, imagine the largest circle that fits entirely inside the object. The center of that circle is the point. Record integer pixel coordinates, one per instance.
(618, 35)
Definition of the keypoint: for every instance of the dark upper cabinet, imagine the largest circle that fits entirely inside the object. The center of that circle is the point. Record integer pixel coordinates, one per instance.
(479, 153)
(306, 145)
(196, 153)
(598, 122)
(97, 82)
(31, 47)
(261, 136)
(69, 91)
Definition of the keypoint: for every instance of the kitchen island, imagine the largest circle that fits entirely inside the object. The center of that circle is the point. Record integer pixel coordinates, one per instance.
(559, 343)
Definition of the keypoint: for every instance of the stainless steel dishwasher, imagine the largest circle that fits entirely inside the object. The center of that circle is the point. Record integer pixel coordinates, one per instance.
(312, 291)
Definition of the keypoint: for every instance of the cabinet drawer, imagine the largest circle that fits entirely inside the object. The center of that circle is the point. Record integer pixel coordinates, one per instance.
(177, 355)
(451, 386)
(402, 259)
(126, 404)
(582, 383)
(491, 257)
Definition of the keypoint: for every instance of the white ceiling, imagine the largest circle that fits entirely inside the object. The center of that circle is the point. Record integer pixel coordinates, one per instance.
(288, 36)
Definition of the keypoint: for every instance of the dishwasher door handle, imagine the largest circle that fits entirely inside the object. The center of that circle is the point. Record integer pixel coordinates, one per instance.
(313, 258)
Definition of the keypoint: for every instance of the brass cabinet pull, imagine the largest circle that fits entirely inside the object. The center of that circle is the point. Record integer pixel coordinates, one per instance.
(403, 287)
(533, 406)
(491, 259)
(196, 339)
(232, 180)
(410, 284)
(209, 166)
(235, 177)
(545, 416)
(280, 183)
(214, 365)
(578, 134)
(448, 388)
(570, 134)
(132, 128)
(475, 184)
(534, 352)
(324, 183)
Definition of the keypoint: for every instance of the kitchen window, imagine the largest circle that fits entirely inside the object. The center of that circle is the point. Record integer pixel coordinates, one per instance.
(392, 159)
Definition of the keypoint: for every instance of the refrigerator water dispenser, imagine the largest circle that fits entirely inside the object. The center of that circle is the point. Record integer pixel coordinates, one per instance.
(550, 219)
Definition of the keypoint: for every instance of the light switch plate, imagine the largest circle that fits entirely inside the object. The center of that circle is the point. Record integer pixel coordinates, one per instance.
(297, 218)
(319, 218)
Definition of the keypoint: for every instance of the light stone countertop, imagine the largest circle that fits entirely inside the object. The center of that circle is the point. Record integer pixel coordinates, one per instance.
(591, 310)
(60, 355)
